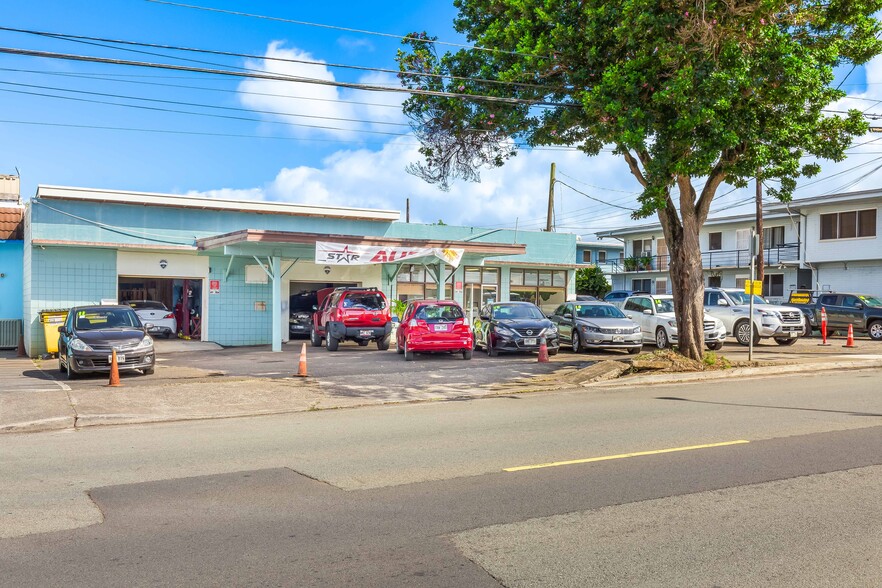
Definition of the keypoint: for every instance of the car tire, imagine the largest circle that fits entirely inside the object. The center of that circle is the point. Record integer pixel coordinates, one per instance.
(661, 338)
(785, 340)
(362, 342)
(635, 350)
(874, 330)
(408, 354)
(383, 344)
(490, 351)
(399, 346)
(553, 352)
(576, 342)
(332, 343)
(60, 365)
(148, 371)
(714, 346)
(467, 354)
(742, 332)
(71, 374)
(314, 338)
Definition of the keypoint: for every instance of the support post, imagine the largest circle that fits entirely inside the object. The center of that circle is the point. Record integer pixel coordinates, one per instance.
(550, 221)
(276, 270)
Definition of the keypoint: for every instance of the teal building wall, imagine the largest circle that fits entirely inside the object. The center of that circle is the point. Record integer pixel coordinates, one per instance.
(11, 282)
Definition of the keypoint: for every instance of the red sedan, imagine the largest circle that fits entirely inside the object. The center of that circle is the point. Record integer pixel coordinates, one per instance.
(429, 326)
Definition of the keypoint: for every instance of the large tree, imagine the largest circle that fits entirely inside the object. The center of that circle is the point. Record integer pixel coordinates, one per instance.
(689, 94)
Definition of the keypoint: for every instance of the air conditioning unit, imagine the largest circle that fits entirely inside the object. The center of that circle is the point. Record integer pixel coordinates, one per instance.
(10, 329)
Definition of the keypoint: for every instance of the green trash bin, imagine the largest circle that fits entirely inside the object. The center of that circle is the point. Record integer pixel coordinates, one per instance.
(52, 319)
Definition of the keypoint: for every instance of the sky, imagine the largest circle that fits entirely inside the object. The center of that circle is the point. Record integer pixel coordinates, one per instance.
(120, 127)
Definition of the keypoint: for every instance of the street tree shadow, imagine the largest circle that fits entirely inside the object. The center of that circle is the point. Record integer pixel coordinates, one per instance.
(848, 412)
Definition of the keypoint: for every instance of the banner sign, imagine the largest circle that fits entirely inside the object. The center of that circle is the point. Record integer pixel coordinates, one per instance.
(342, 254)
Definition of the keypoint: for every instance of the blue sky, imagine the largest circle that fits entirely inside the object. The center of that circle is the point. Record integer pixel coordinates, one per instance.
(356, 162)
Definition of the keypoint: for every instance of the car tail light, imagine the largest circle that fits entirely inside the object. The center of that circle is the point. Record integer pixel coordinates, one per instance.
(169, 315)
(464, 322)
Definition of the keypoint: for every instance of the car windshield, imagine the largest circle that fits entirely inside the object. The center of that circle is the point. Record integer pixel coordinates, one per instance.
(517, 311)
(303, 302)
(364, 301)
(436, 313)
(740, 298)
(664, 305)
(106, 318)
(598, 311)
(870, 300)
(147, 305)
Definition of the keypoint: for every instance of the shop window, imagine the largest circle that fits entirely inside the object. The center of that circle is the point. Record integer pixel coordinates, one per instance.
(559, 279)
(473, 275)
(517, 277)
(545, 278)
(531, 278)
(415, 283)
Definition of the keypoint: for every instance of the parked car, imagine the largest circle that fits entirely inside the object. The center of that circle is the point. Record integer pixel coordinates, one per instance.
(784, 324)
(431, 326)
(862, 312)
(585, 298)
(617, 297)
(597, 325)
(514, 326)
(300, 313)
(655, 315)
(90, 334)
(353, 314)
(157, 314)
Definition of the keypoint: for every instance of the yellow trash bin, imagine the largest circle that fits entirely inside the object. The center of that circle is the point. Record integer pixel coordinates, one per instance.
(52, 319)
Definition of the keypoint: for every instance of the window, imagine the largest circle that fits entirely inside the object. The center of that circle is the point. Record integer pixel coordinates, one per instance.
(415, 283)
(601, 257)
(586, 256)
(850, 301)
(773, 284)
(641, 246)
(773, 237)
(714, 282)
(661, 286)
(477, 275)
(741, 281)
(715, 241)
(546, 289)
(643, 285)
(742, 239)
(711, 298)
(827, 300)
(848, 225)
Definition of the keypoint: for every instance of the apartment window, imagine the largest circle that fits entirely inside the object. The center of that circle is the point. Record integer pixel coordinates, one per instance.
(641, 246)
(741, 281)
(714, 282)
(715, 241)
(644, 285)
(601, 257)
(773, 284)
(848, 225)
(773, 237)
(661, 286)
(742, 239)
(586, 256)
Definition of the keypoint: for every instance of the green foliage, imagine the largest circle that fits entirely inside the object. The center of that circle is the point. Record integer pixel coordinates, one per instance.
(590, 280)
(397, 307)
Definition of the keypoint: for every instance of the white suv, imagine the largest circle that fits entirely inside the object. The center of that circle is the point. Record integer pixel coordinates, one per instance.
(782, 323)
(655, 315)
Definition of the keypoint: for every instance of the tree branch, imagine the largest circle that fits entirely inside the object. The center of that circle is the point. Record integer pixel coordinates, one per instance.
(635, 168)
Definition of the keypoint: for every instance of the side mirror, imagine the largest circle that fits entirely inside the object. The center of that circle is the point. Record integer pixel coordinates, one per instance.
(647, 311)
(315, 307)
(484, 317)
(62, 329)
(859, 306)
(722, 302)
(568, 315)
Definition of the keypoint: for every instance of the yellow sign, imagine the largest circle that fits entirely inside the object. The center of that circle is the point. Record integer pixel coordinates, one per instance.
(800, 298)
(753, 287)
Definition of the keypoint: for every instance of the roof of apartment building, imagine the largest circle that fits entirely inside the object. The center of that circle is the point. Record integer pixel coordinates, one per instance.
(11, 226)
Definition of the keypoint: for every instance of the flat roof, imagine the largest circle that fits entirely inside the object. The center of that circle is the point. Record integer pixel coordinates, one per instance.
(206, 203)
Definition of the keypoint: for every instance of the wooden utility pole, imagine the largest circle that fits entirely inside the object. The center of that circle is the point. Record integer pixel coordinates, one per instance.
(760, 262)
(407, 214)
(548, 224)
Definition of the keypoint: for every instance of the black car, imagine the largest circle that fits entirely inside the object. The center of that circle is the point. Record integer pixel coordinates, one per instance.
(300, 317)
(514, 326)
(91, 333)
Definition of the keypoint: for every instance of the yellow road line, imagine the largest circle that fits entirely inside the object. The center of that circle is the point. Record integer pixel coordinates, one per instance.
(622, 456)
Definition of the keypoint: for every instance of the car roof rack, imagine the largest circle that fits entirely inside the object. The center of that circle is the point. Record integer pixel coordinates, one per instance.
(359, 288)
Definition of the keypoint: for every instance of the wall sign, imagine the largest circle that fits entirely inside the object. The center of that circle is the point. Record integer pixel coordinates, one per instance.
(343, 254)
(214, 286)
(163, 263)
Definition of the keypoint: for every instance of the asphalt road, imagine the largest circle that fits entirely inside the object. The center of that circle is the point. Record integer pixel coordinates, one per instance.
(418, 495)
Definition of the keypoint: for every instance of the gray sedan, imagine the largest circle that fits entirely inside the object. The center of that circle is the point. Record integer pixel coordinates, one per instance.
(596, 325)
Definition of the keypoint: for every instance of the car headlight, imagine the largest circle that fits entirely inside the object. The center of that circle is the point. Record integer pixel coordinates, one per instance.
(552, 330)
(78, 345)
(672, 324)
(146, 343)
(504, 331)
(636, 329)
(590, 329)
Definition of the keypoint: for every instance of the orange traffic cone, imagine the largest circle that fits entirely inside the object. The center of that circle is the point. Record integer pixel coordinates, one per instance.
(114, 370)
(543, 351)
(21, 347)
(301, 370)
(849, 342)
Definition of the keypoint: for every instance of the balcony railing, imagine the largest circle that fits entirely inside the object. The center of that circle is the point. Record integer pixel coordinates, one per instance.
(735, 258)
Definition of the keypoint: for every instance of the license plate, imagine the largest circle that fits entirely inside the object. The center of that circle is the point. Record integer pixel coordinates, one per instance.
(120, 358)
(441, 327)
(366, 333)
(618, 339)
(793, 334)
(530, 341)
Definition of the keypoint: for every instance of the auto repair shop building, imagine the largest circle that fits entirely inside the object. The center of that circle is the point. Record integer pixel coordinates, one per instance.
(232, 265)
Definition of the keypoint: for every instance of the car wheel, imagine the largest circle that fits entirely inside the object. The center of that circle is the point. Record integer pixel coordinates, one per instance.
(785, 340)
(875, 330)
(148, 371)
(332, 342)
(399, 346)
(314, 338)
(60, 365)
(490, 351)
(742, 333)
(362, 342)
(553, 352)
(71, 374)
(714, 346)
(383, 344)
(467, 354)
(661, 338)
(635, 350)
(408, 354)
(577, 342)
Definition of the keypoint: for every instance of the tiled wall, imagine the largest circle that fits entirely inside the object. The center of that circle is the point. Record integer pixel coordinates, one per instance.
(62, 278)
(11, 282)
(232, 317)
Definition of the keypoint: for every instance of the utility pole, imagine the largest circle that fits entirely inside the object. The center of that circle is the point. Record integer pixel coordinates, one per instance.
(407, 214)
(548, 225)
(760, 261)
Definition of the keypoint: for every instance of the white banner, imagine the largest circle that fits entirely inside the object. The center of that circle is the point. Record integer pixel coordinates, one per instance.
(342, 254)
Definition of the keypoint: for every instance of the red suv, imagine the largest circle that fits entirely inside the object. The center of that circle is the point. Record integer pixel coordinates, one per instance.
(354, 314)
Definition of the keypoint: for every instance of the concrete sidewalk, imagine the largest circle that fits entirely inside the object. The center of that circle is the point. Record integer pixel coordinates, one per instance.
(34, 396)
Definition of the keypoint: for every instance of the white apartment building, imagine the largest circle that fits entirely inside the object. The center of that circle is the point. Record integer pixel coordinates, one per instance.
(824, 243)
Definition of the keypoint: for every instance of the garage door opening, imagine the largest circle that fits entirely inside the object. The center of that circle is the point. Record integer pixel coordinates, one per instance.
(180, 297)
(305, 295)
